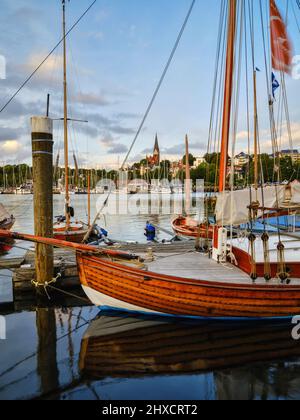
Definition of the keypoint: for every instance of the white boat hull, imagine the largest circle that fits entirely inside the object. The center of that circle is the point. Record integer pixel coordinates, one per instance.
(107, 302)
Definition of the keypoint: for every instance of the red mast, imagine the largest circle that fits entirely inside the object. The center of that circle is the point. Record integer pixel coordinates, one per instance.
(227, 94)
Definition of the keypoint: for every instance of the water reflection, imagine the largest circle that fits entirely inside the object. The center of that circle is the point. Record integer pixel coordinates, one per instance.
(46, 352)
(136, 347)
(139, 346)
(73, 355)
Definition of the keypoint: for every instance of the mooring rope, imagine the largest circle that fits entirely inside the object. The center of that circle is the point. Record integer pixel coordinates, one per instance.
(70, 294)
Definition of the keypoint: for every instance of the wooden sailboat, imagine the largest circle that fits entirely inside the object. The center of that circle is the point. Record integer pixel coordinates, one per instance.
(6, 223)
(231, 285)
(64, 228)
(190, 228)
(192, 286)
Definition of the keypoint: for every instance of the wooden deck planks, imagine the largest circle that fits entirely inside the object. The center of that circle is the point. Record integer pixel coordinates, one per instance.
(198, 266)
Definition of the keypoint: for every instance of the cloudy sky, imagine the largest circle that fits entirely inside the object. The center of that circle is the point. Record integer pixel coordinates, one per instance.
(116, 57)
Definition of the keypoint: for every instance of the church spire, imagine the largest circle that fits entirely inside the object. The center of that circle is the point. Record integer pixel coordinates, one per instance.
(155, 159)
(156, 152)
(156, 145)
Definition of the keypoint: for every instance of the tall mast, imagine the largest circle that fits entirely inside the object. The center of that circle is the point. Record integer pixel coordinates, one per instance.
(228, 93)
(187, 178)
(256, 174)
(66, 146)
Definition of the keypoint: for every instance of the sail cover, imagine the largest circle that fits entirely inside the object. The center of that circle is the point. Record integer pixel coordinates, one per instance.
(3, 213)
(295, 187)
(232, 207)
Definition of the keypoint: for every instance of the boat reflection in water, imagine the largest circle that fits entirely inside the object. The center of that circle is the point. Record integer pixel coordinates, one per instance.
(122, 347)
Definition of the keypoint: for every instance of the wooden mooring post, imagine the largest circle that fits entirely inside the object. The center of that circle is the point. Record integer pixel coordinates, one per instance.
(42, 157)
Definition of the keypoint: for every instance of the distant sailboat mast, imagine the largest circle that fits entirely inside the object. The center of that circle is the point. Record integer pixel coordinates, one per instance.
(66, 145)
(187, 178)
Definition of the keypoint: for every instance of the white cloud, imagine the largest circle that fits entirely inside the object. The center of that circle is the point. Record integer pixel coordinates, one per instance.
(11, 147)
(92, 99)
(48, 69)
(242, 135)
(283, 138)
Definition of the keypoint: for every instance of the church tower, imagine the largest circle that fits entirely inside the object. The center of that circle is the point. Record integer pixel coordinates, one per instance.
(154, 160)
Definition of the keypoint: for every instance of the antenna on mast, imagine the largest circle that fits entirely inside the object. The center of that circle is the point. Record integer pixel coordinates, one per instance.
(48, 105)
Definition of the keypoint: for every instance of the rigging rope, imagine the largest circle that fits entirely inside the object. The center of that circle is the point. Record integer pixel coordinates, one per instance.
(238, 69)
(46, 58)
(147, 110)
(160, 82)
(294, 13)
(282, 273)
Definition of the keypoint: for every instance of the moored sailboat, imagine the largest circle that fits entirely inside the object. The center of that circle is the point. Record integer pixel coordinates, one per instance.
(188, 226)
(189, 286)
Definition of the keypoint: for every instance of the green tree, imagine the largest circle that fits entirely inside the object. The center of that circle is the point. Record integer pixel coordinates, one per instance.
(191, 159)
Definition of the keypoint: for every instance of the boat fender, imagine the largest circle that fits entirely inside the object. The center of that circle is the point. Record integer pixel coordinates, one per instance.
(230, 256)
(220, 252)
(150, 232)
(104, 232)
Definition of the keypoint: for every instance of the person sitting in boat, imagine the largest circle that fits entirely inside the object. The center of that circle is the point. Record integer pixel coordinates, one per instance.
(150, 232)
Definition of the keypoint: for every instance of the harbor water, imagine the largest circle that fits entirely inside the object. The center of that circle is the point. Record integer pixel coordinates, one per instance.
(72, 353)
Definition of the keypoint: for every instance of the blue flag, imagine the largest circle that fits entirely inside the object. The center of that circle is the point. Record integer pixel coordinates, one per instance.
(275, 84)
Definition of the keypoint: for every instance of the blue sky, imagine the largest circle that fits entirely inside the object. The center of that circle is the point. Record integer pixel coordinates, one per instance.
(116, 56)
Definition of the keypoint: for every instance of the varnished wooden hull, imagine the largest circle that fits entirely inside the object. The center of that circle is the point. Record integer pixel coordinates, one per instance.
(182, 228)
(120, 347)
(170, 295)
(129, 288)
(75, 237)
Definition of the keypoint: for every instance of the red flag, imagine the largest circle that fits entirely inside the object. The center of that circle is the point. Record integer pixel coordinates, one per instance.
(280, 42)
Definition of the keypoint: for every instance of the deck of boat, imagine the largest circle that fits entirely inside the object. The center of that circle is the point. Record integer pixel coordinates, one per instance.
(291, 243)
(197, 266)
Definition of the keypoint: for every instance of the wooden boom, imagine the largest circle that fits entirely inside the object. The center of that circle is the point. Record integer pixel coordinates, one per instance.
(68, 245)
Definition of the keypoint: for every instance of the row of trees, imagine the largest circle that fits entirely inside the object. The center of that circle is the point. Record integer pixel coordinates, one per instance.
(270, 170)
(17, 175)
